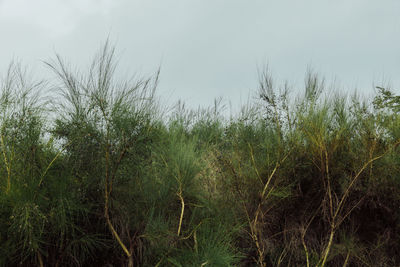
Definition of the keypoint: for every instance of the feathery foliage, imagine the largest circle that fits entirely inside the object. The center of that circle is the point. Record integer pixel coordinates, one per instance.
(102, 178)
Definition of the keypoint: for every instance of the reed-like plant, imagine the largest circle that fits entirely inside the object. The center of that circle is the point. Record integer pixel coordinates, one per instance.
(102, 177)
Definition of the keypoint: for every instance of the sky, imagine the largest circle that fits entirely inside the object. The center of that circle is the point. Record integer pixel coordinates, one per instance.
(212, 48)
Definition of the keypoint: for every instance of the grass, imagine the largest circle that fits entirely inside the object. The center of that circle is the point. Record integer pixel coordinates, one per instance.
(102, 177)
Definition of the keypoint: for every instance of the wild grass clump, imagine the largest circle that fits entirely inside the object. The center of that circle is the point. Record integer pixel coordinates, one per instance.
(102, 178)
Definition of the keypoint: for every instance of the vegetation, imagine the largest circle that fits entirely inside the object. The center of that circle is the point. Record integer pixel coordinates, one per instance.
(102, 178)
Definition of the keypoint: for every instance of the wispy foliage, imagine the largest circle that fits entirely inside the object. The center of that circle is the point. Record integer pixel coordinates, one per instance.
(100, 177)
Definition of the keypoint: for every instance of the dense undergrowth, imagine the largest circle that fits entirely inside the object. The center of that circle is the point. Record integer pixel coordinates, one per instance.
(103, 178)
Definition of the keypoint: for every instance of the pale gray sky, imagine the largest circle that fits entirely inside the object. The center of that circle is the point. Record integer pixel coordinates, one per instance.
(211, 48)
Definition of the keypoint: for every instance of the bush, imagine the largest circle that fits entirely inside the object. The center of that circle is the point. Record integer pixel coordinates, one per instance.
(102, 177)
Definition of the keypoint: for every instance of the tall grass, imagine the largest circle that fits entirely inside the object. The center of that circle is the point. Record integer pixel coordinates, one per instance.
(103, 178)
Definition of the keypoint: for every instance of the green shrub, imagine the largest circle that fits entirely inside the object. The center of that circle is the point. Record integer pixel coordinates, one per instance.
(102, 177)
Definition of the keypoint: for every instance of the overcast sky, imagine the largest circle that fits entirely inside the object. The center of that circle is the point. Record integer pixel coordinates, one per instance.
(212, 48)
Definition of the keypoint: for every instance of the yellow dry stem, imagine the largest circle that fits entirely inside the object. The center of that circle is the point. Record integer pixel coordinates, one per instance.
(182, 211)
(106, 213)
(334, 222)
(40, 259)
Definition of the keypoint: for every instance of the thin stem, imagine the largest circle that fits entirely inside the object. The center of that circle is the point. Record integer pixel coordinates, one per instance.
(106, 212)
(347, 259)
(182, 209)
(328, 247)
